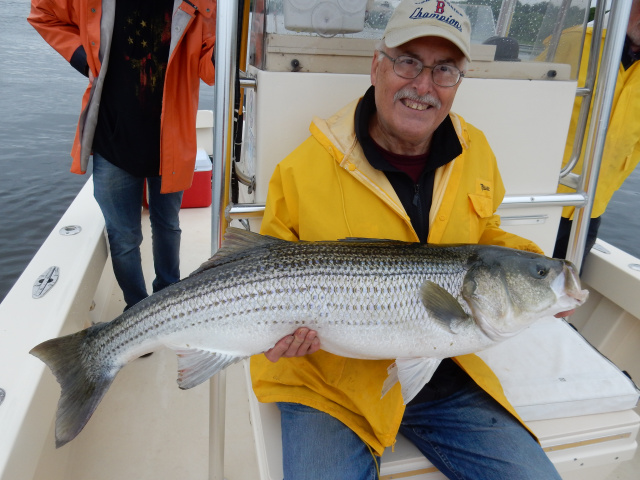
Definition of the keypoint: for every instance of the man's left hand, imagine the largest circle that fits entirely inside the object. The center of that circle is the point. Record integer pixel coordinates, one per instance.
(303, 342)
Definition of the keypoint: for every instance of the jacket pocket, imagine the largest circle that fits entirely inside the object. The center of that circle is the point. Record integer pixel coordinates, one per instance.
(482, 204)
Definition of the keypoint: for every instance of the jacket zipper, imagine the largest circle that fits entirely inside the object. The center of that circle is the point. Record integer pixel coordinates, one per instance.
(417, 202)
(195, 7)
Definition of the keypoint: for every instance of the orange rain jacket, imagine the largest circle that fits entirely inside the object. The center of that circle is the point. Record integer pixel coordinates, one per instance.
(68, 25)
(327, 190)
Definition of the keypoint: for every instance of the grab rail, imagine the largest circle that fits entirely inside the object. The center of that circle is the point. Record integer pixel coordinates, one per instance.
(225, 61)
(586, 92)
(254, 210)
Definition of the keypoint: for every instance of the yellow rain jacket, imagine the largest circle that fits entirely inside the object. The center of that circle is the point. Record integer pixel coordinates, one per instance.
(622, 146)
(326, 190)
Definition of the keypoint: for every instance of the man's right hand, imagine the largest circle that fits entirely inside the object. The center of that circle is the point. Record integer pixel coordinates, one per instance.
(303, 342)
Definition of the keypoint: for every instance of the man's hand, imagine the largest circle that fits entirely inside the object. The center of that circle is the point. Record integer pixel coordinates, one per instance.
(302, 342)
(565, 314)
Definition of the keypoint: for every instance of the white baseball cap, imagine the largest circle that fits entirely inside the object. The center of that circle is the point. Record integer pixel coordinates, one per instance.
(429, 18)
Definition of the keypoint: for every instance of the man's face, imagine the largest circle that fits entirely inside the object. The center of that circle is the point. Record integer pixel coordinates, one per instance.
(404, 124)
(633, 30)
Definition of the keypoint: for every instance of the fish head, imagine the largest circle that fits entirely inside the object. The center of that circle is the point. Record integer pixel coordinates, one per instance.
(507, 290)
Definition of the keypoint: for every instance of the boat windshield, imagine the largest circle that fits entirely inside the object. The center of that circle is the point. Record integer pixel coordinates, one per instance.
(532, 39)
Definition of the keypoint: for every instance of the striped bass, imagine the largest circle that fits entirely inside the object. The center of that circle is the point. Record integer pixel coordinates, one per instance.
(415, 304)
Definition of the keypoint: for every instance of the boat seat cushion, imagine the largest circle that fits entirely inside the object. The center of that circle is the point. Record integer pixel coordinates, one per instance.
(550, 371)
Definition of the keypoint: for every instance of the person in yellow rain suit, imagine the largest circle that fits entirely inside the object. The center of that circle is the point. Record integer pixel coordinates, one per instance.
(622, 146)
(395, 164)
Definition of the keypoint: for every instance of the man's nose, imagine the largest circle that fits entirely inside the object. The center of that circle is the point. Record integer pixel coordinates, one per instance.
(424, 82)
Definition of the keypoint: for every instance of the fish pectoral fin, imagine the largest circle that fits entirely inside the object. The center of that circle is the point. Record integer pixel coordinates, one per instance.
(412, 373)
(391, 380)
(443, 307)
(196, 366)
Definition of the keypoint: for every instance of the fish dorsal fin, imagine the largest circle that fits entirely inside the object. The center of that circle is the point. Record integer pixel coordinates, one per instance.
(236, 241)
(443, 307)
(196, 366)
(412, 373)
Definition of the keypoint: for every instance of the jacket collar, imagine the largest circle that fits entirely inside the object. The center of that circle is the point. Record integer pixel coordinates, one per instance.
(629, 57)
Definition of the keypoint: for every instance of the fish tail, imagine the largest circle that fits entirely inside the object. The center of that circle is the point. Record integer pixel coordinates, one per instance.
(83, 382)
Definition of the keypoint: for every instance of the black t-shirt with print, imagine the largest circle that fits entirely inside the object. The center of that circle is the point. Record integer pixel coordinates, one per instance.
(128, 129)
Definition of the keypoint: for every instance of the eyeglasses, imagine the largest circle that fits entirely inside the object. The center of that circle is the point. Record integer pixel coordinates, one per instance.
(409, 67)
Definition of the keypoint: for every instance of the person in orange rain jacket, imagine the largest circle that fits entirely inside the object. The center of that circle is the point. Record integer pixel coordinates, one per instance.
(144, 60)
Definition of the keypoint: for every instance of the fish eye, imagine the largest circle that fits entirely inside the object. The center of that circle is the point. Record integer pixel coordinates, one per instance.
(541, 271)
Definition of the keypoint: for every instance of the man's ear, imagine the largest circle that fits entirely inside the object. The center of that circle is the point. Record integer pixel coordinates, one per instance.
(374, 67)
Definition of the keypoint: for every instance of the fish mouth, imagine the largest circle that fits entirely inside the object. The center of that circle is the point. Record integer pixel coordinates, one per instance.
(580, 296)
(572, 285)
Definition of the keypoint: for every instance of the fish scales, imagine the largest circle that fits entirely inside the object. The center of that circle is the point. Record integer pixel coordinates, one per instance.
(313, 266)
(274, 290)
(366, 299)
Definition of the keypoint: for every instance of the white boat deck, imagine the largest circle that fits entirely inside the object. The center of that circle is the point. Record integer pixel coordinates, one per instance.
(147, 428)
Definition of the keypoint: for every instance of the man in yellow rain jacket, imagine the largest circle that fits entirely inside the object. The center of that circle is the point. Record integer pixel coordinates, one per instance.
(622, 147)
(395, 164)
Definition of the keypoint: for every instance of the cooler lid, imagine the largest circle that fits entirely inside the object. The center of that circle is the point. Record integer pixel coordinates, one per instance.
(203, 162)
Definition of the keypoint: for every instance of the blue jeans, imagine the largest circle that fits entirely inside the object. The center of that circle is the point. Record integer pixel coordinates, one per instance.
(119, 196)
(466, 436)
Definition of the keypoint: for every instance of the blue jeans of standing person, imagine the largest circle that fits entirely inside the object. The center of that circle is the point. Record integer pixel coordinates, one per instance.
(119, 196)
(467, 435)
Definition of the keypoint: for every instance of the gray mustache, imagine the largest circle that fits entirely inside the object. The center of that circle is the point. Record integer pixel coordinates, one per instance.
(412, 95)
